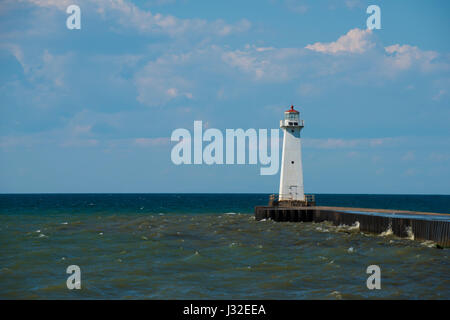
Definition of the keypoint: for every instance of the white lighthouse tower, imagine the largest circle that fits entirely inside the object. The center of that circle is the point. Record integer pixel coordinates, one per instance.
(291, 179)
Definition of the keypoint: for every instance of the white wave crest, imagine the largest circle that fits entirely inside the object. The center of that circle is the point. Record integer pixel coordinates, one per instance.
(410, 233)
(428, 243)
(355, 226)
(388, 231)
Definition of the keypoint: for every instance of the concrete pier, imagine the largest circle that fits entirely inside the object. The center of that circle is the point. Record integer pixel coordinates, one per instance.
(420, 225)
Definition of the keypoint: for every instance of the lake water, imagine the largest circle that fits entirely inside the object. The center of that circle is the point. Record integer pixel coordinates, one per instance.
(207, 246)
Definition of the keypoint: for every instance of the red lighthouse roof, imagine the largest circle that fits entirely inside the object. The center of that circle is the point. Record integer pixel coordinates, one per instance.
(292, 110)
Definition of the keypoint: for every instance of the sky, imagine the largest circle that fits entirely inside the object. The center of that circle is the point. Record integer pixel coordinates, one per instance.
(93, 110)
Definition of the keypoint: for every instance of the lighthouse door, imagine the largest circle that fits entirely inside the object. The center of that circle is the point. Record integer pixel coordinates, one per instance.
(293, 192)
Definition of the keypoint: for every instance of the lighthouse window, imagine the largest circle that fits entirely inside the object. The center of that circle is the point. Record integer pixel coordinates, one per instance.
(292, 162)
(295, 123)
(291, 116)
(290, 123)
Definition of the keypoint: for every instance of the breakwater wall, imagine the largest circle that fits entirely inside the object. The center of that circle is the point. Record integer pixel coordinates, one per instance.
(411, 224)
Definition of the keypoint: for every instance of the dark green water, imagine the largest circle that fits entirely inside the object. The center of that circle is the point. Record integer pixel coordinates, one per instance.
(180, 246)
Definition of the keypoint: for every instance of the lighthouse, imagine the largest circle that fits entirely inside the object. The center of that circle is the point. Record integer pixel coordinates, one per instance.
(291, 179)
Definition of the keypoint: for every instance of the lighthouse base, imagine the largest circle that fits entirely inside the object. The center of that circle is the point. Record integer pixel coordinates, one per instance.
(291, 203)
(275, 201)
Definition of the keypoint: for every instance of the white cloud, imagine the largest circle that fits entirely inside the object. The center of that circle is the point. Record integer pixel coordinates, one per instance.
(373, 63)
(60, 4)
(332, 143)
(129, 15)
(173, 92)
(354, 41)
(162, 80)
(262, 49)
(45, 75)
(221, 28)
(167, 78)
(245, 62)
(17, 52)
(42, 69)
(351, 4)
(51, 69)
(403, 57)
(267, 64)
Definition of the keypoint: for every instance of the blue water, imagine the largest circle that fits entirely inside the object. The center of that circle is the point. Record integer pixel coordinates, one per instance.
(201, 203)
(199, 246)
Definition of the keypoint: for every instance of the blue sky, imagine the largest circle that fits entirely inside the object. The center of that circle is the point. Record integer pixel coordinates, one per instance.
(92, 110)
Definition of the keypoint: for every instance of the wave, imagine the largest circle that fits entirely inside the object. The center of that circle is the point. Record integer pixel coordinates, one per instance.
(410, 233)
(388, 231)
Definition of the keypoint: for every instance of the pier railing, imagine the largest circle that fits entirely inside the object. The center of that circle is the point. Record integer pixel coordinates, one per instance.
(289, 201)
(310, 198)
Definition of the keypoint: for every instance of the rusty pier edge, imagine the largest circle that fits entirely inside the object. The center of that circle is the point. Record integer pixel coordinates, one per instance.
(420, 225)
